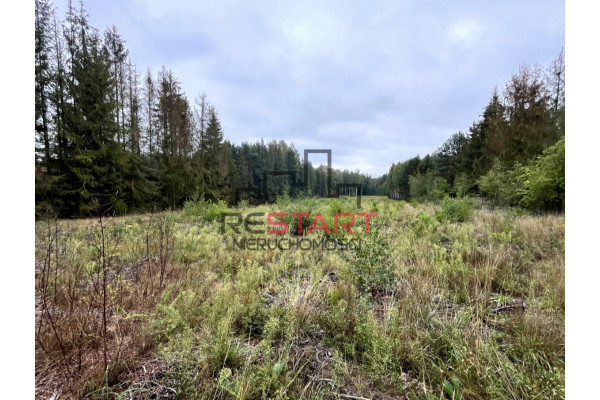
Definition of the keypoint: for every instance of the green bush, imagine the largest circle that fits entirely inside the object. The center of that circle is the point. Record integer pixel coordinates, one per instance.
(545, 179)
(374, 207)
(243, 204)
(208, 210)
(335, 206)
(283, 200)
(507, 234)
(305, 205)
(455, 210)
(504, 186)
(425, 223)
(537, 186)
(373, 266)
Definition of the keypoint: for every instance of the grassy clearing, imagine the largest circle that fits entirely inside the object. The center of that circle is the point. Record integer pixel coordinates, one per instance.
(441, 301)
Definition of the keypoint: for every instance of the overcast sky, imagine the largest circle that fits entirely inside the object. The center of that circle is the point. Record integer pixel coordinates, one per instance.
(375, 82)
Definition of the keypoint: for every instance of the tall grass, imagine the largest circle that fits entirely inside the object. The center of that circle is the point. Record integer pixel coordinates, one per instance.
(440, 301)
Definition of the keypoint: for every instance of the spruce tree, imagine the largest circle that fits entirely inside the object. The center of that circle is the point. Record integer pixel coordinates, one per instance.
(211, 148)
(93, 159)
(43, 76)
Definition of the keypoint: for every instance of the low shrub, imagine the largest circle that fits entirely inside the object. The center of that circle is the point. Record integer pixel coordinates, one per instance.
(425, 223)
(373, 264)
(208, 210)
(455, 210)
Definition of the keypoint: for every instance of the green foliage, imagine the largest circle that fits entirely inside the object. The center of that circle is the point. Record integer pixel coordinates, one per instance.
(374, 207)
(399, 176)
(463, 185)
(418, 186)
(544, 186)
(538, 186)
(479, 153)
(451, 388)
(168, 320)
(335, 206)
(440, 188)
(507, 234)
(98, 153)
(503, 185)
(303, 205)
(425, 223)
(242, 204)
(455, 210)
(421, 307)
(447, 158)
(428, 187)
(283, 201)
(516, 126)
(208, 210)
(373, 262)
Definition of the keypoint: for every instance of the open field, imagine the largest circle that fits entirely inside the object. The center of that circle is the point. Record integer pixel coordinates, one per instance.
(439, 301)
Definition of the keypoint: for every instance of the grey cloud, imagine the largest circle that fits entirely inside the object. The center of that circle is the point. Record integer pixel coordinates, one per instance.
(375, 82)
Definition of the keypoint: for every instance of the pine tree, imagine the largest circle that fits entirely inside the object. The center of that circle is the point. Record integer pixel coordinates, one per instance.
(485, 139)
(94, 161)
(529, 129)
(211, 149)
(556, 81)
(43, 76)
(134, 128)
(173, 115)
(150, 106)
(292, 163)
(555, 78)
(448, 156)
(118, 55)
(59, 97)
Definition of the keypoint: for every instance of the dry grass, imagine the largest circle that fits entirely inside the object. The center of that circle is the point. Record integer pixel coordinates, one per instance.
(471, 310)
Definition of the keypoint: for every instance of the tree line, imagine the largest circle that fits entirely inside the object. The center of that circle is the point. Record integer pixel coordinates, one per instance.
(113, 139)
(513, 155)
